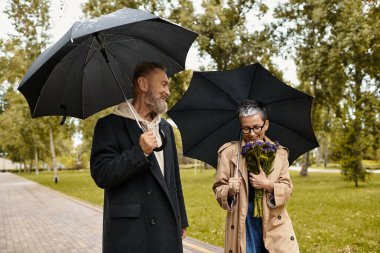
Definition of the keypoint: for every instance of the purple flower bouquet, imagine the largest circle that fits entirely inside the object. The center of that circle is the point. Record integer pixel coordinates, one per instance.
(259, 155)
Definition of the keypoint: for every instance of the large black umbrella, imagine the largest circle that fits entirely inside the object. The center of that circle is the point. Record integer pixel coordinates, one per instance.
(91, 67)
(206, 115)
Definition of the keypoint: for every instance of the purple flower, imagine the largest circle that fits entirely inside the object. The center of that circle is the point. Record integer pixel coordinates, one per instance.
(260, 147)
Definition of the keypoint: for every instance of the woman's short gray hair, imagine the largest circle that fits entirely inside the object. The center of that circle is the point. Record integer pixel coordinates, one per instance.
(251, 108)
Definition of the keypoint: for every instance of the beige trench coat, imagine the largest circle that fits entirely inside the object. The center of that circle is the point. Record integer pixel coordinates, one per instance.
(277, 227)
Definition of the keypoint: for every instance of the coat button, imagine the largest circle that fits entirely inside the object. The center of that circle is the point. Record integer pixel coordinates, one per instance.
(232, 226)
(292, 238)
(150, 192)
(279, 217)
(152, 222)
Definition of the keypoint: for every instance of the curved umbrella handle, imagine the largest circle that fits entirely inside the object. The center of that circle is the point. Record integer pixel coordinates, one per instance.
(164, 141)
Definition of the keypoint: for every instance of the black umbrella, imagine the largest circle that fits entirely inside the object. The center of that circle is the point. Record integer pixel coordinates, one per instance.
(206, 115)
(91, 67)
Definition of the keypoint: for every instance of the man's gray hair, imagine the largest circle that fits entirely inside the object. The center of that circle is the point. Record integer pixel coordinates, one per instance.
(251, 108)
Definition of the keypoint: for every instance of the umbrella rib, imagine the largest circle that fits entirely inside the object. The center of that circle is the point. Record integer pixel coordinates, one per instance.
(39, 95)
(252, 82)
(88, 57)
(236, 104)
(147, 43)
(199, 143)
(121, 66)
(38, 100)
(203, 109)
(283, 100)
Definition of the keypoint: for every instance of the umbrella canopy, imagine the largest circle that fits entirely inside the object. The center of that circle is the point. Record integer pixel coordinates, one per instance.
(91, 67)
(207, 113)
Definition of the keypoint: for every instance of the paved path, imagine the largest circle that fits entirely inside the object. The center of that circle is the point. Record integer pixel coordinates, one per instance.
(35, 219)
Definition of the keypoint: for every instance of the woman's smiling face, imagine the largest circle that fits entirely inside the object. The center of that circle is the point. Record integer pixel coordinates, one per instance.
(253, 127)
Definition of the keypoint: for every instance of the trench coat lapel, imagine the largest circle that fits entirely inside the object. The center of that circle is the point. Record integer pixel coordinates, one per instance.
(134, 133)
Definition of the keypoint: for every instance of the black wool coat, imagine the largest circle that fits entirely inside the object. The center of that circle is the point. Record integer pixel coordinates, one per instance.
(144, 211)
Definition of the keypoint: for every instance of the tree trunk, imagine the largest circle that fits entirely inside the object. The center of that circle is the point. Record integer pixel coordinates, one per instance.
(36, 159)
(55, 169)
(23, 166)
(305, 165)
(319, 156)
(30, 165)
(325, 156)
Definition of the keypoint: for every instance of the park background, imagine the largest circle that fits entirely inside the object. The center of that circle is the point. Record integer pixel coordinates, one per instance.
(328, 49)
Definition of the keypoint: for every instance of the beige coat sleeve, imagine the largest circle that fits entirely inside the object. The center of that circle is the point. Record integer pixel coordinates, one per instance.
(282, 185)
(221, 186)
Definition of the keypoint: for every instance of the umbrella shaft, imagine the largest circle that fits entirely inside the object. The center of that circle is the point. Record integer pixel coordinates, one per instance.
(134, 115)
(238, 155)
(102, 50)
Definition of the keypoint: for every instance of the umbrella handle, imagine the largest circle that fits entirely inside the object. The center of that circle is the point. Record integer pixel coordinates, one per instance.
(162, 134)
(164, 141)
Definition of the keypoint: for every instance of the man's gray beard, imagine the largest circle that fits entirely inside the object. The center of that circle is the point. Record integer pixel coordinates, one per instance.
(158, 105)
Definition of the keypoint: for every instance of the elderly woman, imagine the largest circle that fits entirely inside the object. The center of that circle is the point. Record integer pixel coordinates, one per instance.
(234, 191)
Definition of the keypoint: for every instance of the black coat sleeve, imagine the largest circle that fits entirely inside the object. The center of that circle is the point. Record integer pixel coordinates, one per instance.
(111, 166)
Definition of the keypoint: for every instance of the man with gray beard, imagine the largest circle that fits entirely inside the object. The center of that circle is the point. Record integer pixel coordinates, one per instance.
(144, 209)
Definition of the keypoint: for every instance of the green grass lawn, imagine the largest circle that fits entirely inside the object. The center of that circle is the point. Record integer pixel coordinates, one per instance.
(328, 214)
(367, 164)
(77, 184)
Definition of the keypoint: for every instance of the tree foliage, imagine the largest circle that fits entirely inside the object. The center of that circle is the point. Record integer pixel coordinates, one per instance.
(225, 37)
(23, 137)
(31, 21)
(336, 47)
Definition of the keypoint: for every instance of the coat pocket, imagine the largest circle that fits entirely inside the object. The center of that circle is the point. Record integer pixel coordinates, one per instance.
(278, 218)
(125, 210)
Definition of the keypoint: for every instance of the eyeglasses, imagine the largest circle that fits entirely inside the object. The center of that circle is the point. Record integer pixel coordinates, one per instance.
(255, 129)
